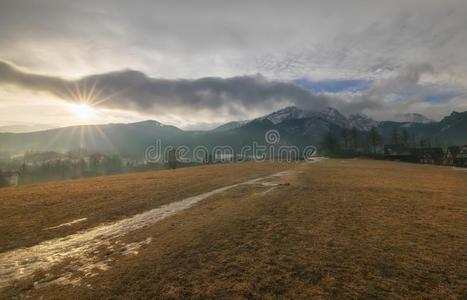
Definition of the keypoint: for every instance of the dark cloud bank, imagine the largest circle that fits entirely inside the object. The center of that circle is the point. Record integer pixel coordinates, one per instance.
(134, 90)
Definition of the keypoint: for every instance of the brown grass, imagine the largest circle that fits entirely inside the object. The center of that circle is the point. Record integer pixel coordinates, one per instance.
(27, 210)
(341, 229)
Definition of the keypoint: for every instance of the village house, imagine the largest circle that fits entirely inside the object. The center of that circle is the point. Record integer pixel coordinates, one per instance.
(428, 155)
(12, 178)
(456, 156)
(398, 152)
(451, 154)
(415, 155)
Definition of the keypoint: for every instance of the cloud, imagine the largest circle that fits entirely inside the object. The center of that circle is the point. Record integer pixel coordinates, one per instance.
(194, 102)
(405, 79)
(133, 90)
(334, 86)
(319, 39)
(403, 92)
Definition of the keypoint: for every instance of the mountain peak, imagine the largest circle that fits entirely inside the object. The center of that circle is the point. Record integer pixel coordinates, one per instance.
(230, 125)
(455, 115)
(362, 122)
(331, 112)
(412, 118)
(331, 115)
(286, 113)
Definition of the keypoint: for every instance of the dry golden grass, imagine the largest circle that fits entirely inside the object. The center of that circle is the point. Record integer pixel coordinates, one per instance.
(341, 229)
(27, 210)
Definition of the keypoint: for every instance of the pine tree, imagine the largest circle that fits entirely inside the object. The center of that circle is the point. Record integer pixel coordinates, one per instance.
(172, 159)
(374, 138)
(405, 137)
(330, 143)
(355, 139)
(396, 137)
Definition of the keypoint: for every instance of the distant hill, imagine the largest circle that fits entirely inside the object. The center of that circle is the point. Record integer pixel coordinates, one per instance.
(296, 126)
(230, 125)
(127, 139)
(451, 130)
(412, 118)
(25, 128)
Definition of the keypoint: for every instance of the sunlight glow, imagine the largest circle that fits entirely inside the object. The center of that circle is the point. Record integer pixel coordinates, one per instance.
(82, 111)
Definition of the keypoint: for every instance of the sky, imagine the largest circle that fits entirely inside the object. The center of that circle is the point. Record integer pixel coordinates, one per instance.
(198, 64)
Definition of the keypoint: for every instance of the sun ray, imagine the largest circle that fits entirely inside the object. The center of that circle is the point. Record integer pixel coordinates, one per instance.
(51, 142)
(71, 94)
(92, 138)
(72, 135)
(106, 139)
(102, 100)
(82, 143)
(92, 93)
(77, 86)
(85, 90)
(96, 94)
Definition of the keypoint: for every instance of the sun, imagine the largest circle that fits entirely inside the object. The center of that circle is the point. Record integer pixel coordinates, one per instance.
(83, 111)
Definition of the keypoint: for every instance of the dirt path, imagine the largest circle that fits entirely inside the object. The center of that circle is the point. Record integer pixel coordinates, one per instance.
(24, 262)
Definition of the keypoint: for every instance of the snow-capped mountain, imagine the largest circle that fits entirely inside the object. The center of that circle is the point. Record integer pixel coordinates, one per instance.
(230, 125)
(287, 113)
(292, 112)
(308, 129)
(328, 115)
(362, 122)
(412, 118)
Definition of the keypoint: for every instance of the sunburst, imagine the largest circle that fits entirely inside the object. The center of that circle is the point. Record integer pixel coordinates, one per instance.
(82, 111)
(84, 98)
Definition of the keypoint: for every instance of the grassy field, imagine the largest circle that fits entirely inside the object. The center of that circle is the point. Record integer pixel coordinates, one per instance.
(337, 229)
(27, 211)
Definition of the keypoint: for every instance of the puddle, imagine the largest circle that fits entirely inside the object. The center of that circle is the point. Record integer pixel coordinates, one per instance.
(266, 191)
(83, 246)
(315, 159)
(132, 248)
(67, 224)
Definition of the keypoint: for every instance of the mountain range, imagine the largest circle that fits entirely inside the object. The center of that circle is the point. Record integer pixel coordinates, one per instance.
(296, 126)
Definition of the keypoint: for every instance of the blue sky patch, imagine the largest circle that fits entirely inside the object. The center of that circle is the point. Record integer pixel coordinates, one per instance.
(334, 86)
(430, 93)
(441, 97)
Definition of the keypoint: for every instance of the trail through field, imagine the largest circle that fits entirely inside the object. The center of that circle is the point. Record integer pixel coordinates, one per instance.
(83, 246)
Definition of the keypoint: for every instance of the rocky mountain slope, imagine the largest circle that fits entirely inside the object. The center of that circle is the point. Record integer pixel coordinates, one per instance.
(296, 126)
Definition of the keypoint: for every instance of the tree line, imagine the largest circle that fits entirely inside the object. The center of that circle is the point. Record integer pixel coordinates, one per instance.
(351, 141)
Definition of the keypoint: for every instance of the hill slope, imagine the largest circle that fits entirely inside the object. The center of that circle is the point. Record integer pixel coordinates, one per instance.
(296, 126)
